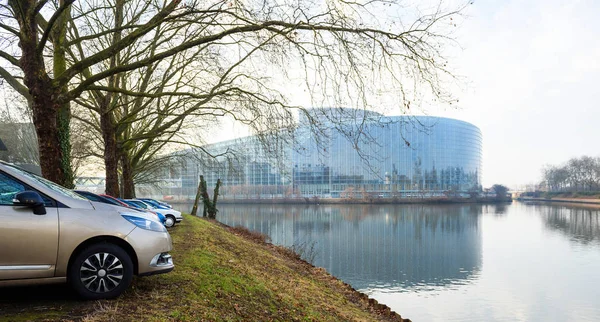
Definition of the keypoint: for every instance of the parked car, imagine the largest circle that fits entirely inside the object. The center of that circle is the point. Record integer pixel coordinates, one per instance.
(94, 197)
(154, 201)
(137, 205)
(113, 201)
(172, 216)
(133, 205)
(51, 234)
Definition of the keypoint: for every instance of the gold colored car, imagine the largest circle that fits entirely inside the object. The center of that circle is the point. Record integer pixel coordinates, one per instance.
(50, 234)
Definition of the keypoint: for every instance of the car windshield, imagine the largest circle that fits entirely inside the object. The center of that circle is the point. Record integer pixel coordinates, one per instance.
(112, 202)
(47, 183)
(89, 196)
(138, 204)
(151, 202)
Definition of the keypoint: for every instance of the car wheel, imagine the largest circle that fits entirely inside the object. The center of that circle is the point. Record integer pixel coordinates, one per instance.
(101, 271)
(169, 221)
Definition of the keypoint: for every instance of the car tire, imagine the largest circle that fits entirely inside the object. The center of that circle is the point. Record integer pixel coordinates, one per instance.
(170, 221)
(101, 271)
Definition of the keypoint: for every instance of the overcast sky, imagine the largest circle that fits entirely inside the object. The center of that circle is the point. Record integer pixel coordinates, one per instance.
(532, 69)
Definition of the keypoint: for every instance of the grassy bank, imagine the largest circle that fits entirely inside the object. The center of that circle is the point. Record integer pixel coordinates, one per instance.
(221, 274)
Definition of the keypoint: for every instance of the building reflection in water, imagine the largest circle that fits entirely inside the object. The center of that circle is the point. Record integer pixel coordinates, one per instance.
(579, 223)
(400, 247)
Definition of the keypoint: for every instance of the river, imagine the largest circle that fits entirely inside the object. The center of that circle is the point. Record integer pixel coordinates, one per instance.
(512, 262)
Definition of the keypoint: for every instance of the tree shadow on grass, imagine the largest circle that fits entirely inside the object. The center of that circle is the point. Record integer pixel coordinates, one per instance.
(58, 292)
(34, 302)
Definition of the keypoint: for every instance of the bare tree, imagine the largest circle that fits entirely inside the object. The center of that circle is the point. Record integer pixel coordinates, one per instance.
(346, 53)
(578, 174)
(127, 111)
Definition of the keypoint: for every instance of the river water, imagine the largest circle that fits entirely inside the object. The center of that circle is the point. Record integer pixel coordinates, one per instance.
(513, 262)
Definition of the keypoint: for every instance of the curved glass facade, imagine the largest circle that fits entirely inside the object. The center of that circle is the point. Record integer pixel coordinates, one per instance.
(400, 156)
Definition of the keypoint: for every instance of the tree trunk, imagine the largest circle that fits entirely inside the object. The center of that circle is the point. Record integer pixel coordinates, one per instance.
(204, 194)
(127, 179)
(63, 125)
(197, 200)
(63, 122)
(107, 122)
(45, 99)
(210, 206)
(111, 158)
(44, 112)
(213, 213)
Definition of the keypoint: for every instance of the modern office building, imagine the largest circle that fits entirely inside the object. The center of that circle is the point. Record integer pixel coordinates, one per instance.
(370, 156)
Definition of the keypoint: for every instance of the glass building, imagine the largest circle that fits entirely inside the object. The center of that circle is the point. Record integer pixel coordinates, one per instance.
(376, 157)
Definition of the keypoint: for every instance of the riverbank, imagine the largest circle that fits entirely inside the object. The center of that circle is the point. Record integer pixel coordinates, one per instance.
(221, 274)
(588, 201)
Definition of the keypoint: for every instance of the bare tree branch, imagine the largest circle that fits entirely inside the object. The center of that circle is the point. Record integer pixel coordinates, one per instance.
(50, 24)
(14, 83)
(108, 52)
(11, 59)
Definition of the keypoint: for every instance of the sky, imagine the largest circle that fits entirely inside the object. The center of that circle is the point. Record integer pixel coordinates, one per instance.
(531, 70)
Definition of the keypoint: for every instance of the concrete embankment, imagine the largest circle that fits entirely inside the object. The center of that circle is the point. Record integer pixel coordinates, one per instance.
(342, 201)
(563, 200)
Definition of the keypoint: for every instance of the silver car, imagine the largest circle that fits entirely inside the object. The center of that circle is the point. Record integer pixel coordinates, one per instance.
(50, 234)
(172, 216)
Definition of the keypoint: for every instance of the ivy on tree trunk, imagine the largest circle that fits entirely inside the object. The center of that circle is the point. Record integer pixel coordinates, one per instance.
(210, 206)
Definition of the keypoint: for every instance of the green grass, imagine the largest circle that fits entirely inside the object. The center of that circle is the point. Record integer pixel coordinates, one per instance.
(220, 275)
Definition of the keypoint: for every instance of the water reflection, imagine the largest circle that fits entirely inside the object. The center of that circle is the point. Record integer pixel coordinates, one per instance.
(495, 209)
(578, 222)
(391, 247)
(522, 262)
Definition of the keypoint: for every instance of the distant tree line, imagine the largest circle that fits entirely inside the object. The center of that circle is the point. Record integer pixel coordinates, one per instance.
(577, 174)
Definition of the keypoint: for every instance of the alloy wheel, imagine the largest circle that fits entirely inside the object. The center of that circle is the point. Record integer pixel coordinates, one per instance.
(169, 221)
(101, 272)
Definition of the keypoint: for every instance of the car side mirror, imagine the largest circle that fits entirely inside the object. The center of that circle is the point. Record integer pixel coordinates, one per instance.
(32, 200)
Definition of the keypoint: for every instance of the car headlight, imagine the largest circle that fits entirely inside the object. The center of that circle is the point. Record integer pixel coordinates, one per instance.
(145, 223)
